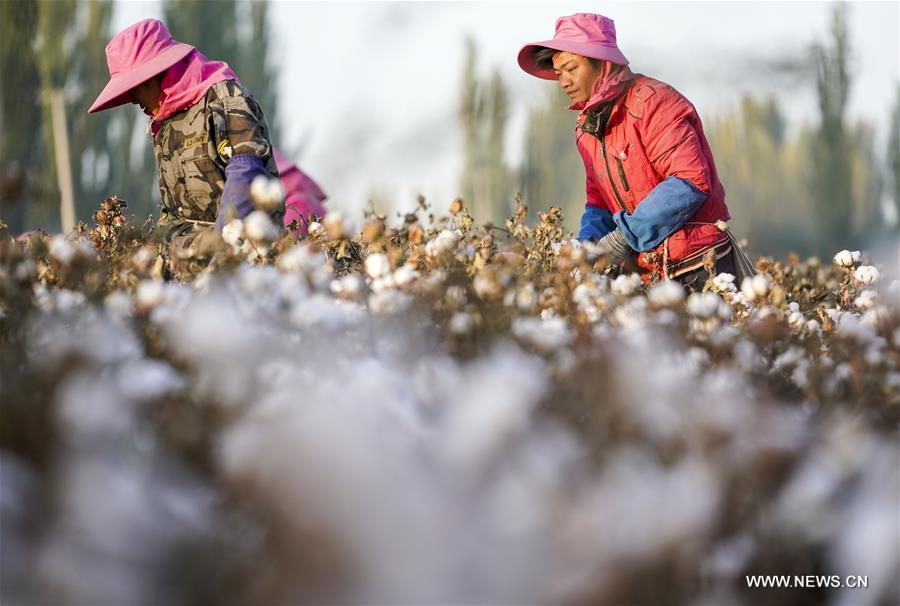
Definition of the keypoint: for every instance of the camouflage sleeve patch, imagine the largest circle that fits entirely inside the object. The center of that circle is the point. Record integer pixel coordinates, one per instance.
(238, 123)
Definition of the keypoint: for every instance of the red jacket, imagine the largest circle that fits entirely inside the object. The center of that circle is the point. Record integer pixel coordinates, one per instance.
(653, 132)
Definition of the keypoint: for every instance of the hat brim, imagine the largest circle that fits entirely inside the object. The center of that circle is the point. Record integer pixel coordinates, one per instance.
(115, 92)
(587, 49)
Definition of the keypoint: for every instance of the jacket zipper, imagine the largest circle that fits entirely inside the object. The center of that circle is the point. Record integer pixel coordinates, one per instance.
(609, 173)
(622, 173)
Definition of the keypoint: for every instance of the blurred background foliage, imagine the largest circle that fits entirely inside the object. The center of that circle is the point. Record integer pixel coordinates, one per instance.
(811, 189)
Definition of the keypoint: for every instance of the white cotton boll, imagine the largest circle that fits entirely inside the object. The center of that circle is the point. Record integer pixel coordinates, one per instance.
(813, 326)
(202, 282)
(873, 356)
(698, 357)
(866, 274)
(147, 380)
(84, 248)
(149, 294)
(485, 286)
(846, 258)
(276, 192)
(142, 258)
(266, 193)
(404, 276)
(866, 299)
(625, 285)
(592, 251)
(383, 283)
(800, 375)
(493, 404)
(61, 249)
(765, 312)
(347, 287)
(578, 254)
(582, 295)
(445, 242)
(431, 283)
(591, 313)
(325, 314)
(623, 507)
(258, 227)
(456, 295)
(119, 303)
(377, 265)
(875, 317)
(892, 381)
(746, 355)
(665, 294)
(233, 232)
(703, 305)
(545, 335)
(461, 323)
(633, 314)
(526, 298)
(724, 282)
(64, 300)
(42, 297)
(791, 357)
(315, 229)
(259, 188)
(725, 336)
(306, 258)
(796, 319)
(756, 288)
(389, 302)
(26, 270)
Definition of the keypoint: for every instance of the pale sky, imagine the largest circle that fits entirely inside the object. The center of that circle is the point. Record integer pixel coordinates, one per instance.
(368, 90)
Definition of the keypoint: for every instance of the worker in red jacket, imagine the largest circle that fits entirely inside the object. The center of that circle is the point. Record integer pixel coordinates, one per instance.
(652, 190)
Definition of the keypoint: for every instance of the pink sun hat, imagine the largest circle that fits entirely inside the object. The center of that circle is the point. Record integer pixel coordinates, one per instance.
(134, 56)
(584, 34)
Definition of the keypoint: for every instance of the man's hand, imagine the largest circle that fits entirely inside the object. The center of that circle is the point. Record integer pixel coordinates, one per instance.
(614, 246)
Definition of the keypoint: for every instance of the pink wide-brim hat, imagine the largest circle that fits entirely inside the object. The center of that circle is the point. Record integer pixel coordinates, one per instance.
(584, 34)
(134, 56)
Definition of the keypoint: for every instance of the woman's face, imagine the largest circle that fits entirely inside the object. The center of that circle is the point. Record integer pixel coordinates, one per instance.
(147, 95)
(576, 75)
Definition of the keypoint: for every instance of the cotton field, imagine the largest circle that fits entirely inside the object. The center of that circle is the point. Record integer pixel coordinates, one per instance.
(425, 411)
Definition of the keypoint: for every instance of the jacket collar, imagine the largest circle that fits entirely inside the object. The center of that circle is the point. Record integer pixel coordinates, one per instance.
(609, 86)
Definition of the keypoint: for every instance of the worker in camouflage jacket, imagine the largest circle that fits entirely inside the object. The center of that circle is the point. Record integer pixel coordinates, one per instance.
(210, 136)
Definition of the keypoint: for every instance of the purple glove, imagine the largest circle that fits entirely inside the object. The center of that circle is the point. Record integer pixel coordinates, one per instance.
(239, 174)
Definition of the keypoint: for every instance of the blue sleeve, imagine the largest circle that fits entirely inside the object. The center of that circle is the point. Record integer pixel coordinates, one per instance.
(239, 174)
(666, 208)
(596, 222)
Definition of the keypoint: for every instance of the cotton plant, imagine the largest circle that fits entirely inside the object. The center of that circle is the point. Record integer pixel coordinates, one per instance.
(310, 419)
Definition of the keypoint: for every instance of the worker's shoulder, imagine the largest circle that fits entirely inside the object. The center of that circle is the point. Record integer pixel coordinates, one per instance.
(226, 88)
(647, 93)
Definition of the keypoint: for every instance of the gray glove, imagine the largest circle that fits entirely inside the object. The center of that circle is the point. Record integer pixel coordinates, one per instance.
(614, 246)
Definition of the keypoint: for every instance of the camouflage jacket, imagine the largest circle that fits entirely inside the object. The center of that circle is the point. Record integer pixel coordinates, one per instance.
(192, 149)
